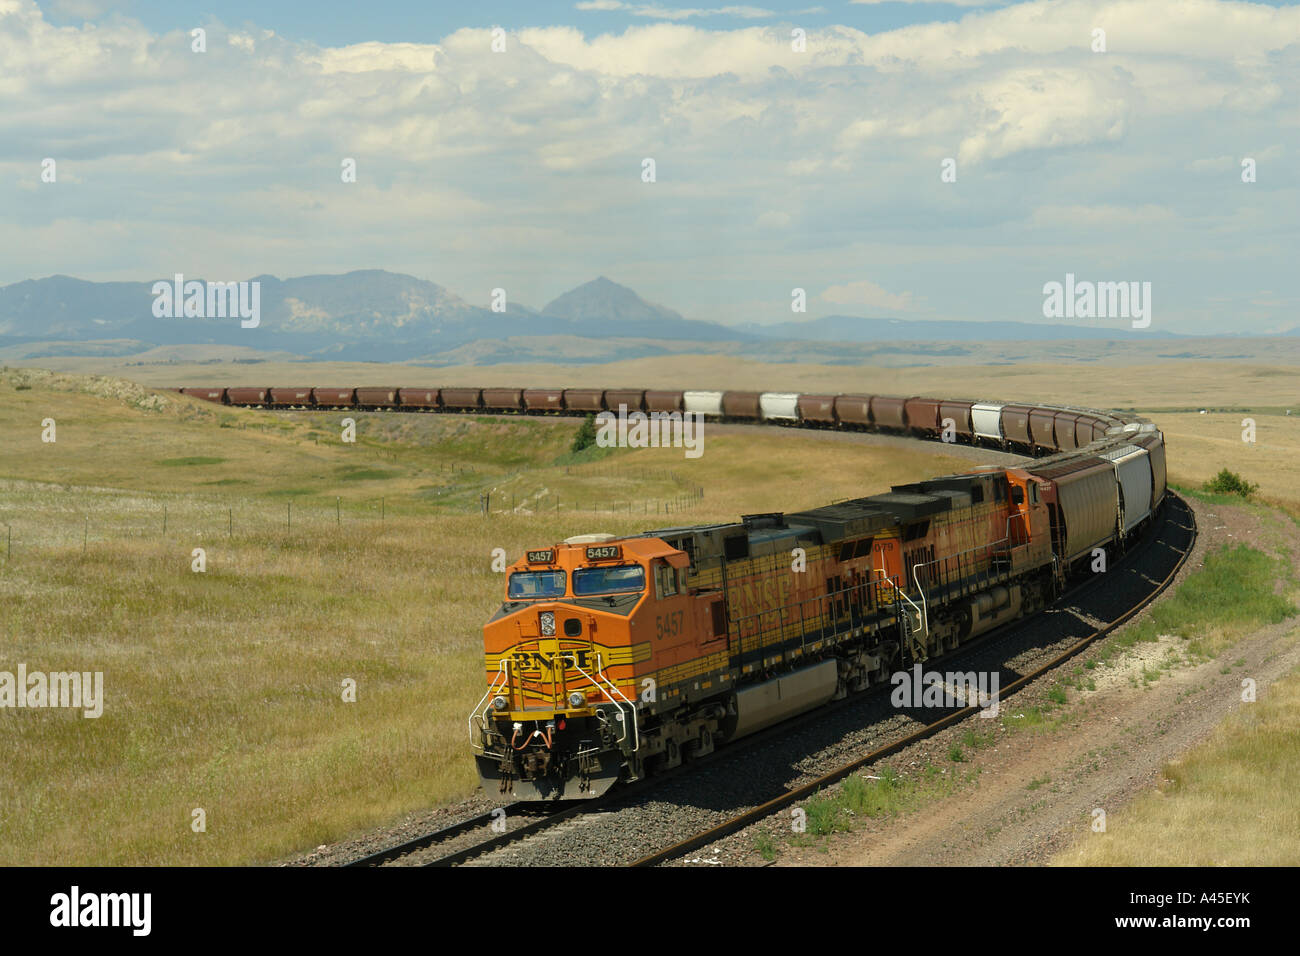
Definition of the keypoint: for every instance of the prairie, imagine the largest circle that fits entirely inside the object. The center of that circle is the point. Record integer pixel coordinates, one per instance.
(370, 562)
(325, 562)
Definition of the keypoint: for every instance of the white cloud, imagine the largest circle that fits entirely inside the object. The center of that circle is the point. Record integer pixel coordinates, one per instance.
(951, 3)
(865, 292)
(774, 219)
(659, 12)
(1039, 108)
(85, 9)
(1213, 164)
(1103, 216)
(475, 166)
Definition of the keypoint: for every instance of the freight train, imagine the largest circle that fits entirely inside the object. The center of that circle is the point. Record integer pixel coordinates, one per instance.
(1033, 430)
(611, 658)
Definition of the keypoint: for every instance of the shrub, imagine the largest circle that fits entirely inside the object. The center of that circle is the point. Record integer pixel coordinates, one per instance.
(1230, 483)
(586, 436)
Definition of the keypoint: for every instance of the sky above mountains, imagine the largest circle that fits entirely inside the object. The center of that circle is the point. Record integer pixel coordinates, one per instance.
(776, 167)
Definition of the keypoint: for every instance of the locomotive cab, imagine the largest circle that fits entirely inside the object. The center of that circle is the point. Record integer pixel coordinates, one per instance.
(567, 654)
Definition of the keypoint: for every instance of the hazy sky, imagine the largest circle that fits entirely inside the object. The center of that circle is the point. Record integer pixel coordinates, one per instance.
(775, 167)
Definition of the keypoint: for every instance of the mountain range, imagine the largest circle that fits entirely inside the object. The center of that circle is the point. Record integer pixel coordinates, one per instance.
(371, 315)
(374, 315)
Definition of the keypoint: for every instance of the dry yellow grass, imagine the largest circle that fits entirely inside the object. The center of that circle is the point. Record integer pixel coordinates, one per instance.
(1200, 445)
(1169, 390)
(1229, 802)
(224, 689)
(1144, 378)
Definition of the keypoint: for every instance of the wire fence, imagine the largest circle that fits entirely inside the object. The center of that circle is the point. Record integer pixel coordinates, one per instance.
(35, 516)
(502, 503)
(623, 472)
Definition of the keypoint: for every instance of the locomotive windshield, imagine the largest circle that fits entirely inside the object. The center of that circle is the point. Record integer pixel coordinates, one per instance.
(625, 577)
(536, 584)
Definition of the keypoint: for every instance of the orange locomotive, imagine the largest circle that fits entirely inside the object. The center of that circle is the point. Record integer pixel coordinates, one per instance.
(613, 657)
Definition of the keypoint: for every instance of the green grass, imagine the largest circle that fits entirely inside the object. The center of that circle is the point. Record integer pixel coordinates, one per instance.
(1029, 718)
(191, 460)
(1264, 505)
(977, 740)
(1208, 497)
(857, 797)
(587, 455)
(366, 474)
(1232, 594)
(825, 815)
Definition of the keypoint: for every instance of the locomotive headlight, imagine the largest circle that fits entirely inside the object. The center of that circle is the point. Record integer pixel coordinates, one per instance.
(548, 623)
(499, 703)
(576, 700)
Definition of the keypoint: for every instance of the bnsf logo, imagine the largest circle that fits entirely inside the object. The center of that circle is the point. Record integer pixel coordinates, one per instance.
(536, 660)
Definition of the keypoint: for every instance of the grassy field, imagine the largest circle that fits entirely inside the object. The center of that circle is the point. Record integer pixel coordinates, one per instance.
(1200, 445)
(224, 689)
(1229, 802)
(1158, 379)
(1170, 384)
(1239, 590)
(330, 561)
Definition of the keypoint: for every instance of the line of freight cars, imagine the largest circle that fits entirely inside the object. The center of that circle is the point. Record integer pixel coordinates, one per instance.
(733, 640)
(1034, 429)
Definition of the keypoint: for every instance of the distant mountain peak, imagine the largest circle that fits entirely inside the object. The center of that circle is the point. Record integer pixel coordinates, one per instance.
(372, 314)
(603, 298)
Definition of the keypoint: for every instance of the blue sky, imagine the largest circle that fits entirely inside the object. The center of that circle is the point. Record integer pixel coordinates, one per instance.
(818, 168)
(340, 22)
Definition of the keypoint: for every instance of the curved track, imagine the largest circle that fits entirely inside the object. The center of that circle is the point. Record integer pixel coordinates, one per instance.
(1170, 542)
(1068, 436)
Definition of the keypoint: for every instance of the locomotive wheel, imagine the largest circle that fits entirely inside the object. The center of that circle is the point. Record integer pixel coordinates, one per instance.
(672, 756)
(701, 745)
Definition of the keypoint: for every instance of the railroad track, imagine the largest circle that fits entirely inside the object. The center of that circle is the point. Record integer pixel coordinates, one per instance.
(1074, 429)
(489, 822)
(1178, 518)
(754, 815)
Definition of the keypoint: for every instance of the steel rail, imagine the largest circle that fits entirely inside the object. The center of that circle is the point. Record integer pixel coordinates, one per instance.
(513, 835)
(388, 854)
